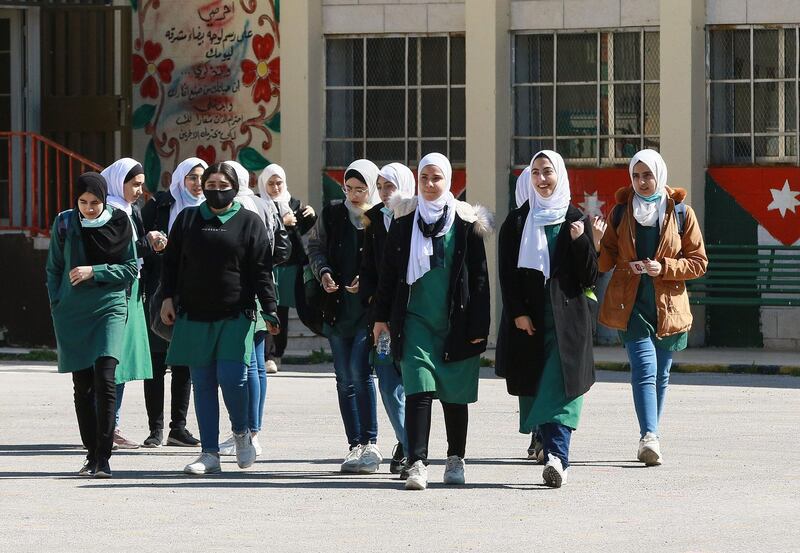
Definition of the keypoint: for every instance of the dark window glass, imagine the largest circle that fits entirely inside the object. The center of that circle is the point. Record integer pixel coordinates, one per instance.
(386, 61)
(534, 110)
(458, 60)
(344, 62)
(386, 113)
(533, 59)
(344, 113)
(434, 60)
(577, 57)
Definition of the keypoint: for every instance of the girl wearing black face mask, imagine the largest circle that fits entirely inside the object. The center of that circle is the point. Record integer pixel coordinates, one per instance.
(216, 262)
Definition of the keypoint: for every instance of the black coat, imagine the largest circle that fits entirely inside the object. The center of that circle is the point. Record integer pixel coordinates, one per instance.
(155, 216)
(520, 357)
(375, 234)
(296, 232)
(468, 307)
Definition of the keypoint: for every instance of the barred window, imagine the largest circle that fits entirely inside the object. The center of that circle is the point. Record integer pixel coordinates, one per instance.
(394, 98)
(752, 91)
(591, 96)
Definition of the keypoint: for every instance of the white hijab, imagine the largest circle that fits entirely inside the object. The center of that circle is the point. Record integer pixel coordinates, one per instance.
(369, 171)
(419, 259)
(648, 213)
(282, 201)
(178, 190)
(403, 178)
(115, 177)
(523, 187)
(245, 196)
(533, 251)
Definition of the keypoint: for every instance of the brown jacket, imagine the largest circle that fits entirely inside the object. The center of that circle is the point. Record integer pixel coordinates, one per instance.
(682, 258)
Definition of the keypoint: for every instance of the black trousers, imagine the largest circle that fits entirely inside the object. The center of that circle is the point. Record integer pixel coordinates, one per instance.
(275, 346)
(181, 387)
(95, 395)
(418, 426)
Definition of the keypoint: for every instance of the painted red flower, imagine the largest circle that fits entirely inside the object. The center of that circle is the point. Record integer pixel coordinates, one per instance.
(207, 153)
(145, 69)
(265, 74)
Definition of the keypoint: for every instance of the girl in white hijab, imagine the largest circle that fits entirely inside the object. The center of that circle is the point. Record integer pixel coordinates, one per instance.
(177, 188)
(522, 188)
(649, 210)
(403, 180)
(284, 197)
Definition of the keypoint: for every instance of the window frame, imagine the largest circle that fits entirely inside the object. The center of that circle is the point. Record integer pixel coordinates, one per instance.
(412, 144)
(602, 158)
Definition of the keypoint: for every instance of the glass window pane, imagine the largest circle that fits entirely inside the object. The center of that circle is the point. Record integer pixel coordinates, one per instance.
(430, 146)
(577, 148)
(458, 110)
(344, 112)
(342, 154)
(577, 57)
(652, 109)
(576, 109)
(434, 112)
(765, 107)
(791, 146)
(652, 56)
(626, 148)
(386, 113)
(730, 108)
(730, 54)
(386, 60)
(626, 57)
(383, 152)
(790, 54)
(5, 34)
(627, 109)
(344, 62)
(533, 111)
(765, 54)
(729, 150)
(767, 146)
(413, 61)
(533, 59)
(458, 151)
(604, 108)
(652, 142)
(413, 110)
(790, 106)
(524, 149)
(5, 73)
(434, 60)
(5, 115)
(458, 60)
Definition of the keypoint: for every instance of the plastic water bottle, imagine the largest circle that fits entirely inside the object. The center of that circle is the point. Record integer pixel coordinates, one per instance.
(384, 346)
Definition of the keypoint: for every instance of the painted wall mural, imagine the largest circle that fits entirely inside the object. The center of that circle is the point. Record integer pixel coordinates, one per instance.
(206, 80)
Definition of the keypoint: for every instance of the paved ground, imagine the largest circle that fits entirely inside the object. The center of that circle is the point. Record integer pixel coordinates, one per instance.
(730, 482)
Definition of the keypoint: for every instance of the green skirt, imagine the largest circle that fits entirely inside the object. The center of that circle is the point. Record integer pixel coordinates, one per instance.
(135, 363)
(285, 277)
(201, 343)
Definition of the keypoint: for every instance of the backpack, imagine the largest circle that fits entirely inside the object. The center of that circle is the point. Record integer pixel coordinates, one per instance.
(62, 224)
(680, 213)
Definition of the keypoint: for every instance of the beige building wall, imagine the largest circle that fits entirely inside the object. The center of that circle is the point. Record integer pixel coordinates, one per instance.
(393, 16)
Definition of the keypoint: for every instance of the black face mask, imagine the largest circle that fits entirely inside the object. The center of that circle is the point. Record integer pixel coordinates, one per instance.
(219, 198)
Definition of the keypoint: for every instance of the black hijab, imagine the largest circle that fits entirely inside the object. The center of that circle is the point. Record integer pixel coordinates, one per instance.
(109, 243)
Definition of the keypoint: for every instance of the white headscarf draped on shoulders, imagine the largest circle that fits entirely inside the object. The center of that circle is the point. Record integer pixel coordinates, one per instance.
(523, 187)
(369, 171)
(245, 196)
(282, 201)
(115, 177)
(403, 178)
(177, 188)
(419, 259)
(650, 211)
(533, 251)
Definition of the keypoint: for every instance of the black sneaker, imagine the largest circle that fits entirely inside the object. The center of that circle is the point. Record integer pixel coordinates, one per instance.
(398, 459)
(87, 470)
(154, 439)
(404, 470)
(182, 437)
(103, 470)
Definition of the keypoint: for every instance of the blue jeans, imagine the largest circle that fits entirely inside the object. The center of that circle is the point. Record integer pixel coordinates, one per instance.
(355, 387)
(231, 377)
(649, 379)
(120, 393)
(390, 384)
(256, 384)
(555, 441)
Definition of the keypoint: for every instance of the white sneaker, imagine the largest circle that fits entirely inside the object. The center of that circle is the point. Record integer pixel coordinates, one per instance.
(257, 445)
(370, 459)
(649, 450)
(454, 470)
(228, 447)
(207, 463)
(271, 366)
(417, 476)
(245, 452)
(554, 475)
(352, 462)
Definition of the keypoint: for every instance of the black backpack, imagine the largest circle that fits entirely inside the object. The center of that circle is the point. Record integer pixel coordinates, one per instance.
(680, 213)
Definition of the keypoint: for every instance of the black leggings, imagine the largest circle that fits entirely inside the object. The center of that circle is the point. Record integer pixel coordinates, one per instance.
(418, 426)
(181, 387)
(95, 405)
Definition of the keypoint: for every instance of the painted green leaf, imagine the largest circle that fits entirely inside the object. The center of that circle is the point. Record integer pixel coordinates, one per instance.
(143, 115)
(277, 10)
(152, 167)
(135, 4)
(274, 124)
(252, 160)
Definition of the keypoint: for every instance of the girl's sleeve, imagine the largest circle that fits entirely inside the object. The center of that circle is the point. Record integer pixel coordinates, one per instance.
(55, 265)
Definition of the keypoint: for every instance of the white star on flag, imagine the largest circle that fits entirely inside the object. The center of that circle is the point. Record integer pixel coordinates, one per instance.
(591, 204)
(784, 199)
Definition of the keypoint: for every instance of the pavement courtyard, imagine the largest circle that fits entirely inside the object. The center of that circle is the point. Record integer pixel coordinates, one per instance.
(730, 482)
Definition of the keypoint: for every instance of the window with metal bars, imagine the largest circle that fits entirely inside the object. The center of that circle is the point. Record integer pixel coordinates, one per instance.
(591, 96)
(752, 93)
(394, 98)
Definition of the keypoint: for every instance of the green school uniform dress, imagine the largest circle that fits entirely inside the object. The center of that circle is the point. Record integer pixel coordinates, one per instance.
(644, 316)
(88, 319)
(285, 278)
(426, 327)
(201, 343)
(550, 403)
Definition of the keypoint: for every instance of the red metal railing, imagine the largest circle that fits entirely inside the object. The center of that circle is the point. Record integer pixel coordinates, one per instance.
(38, 180)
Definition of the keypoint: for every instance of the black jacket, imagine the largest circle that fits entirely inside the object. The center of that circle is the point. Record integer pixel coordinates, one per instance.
(468, 307)
(520, 357)
(304, 224)
(375, 234)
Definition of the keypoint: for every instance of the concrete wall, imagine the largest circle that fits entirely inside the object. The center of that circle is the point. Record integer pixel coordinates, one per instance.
(738, 12)
(583, 14)
(392, 16)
